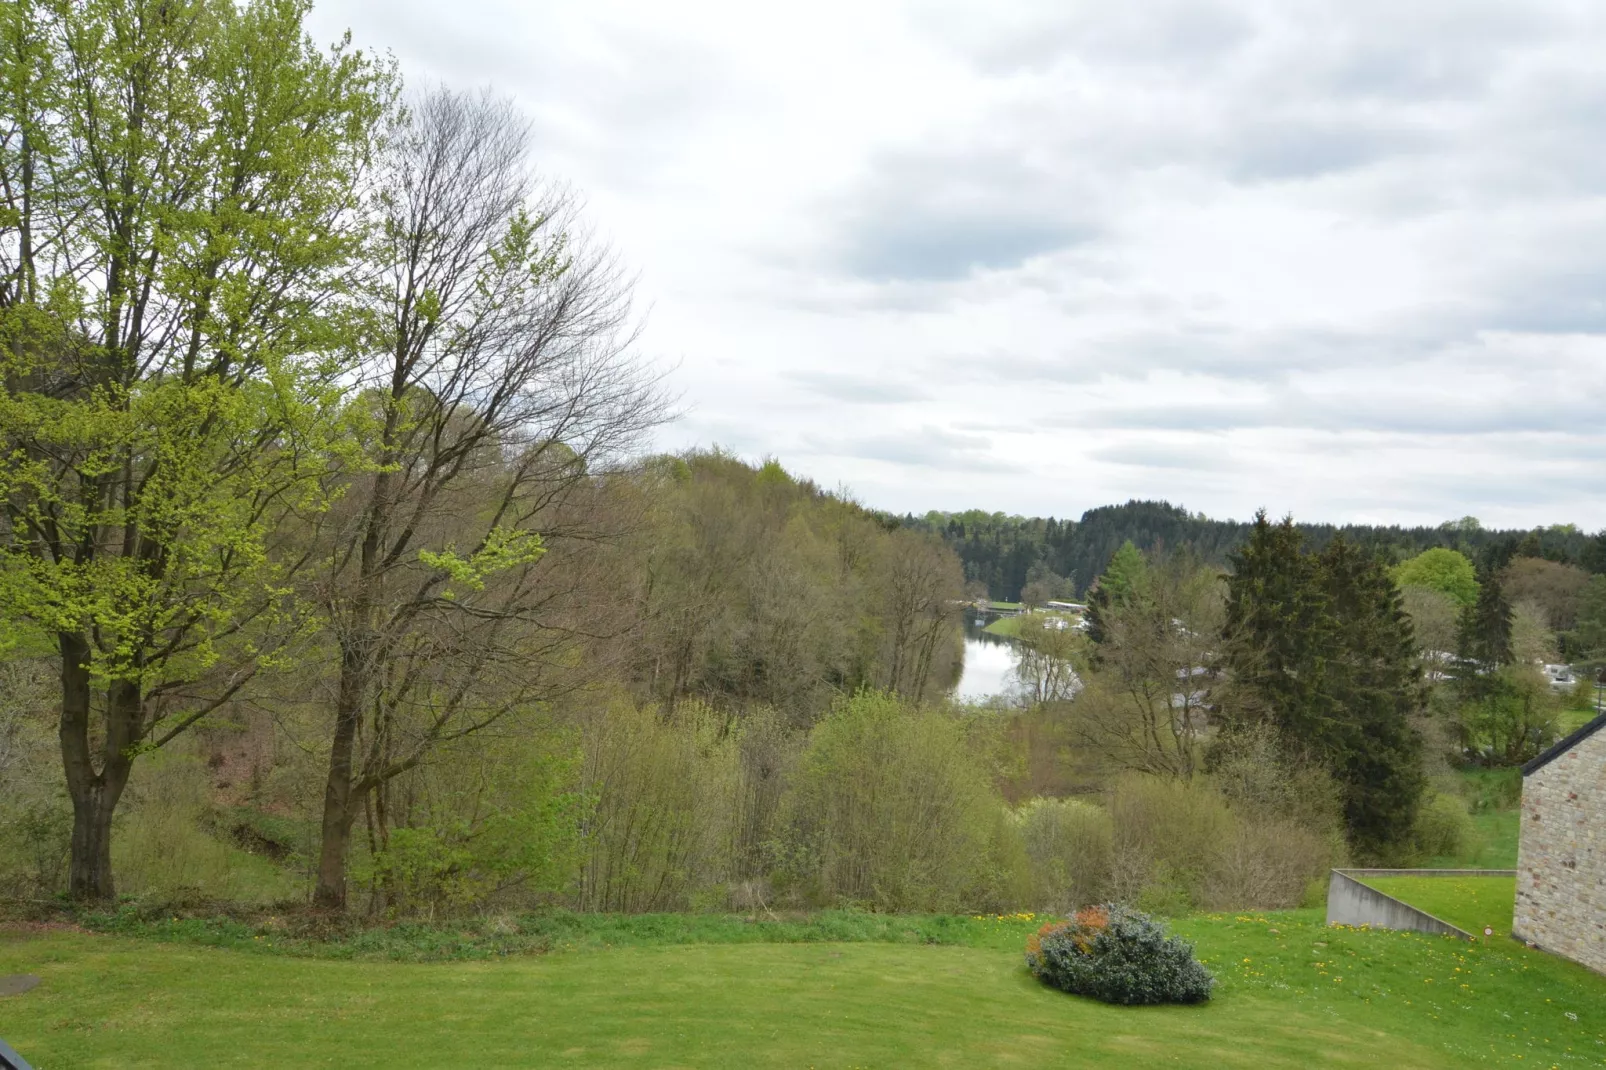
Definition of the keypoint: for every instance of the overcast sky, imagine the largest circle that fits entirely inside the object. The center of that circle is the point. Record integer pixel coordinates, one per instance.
(1345, 258)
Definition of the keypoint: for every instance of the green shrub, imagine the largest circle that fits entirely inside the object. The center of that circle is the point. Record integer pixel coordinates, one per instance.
(892, 808)
(665, 784)
(1117, 956)
(1443, 829)
(1512, 720)
(1267, 864)
(489, 819)
(34, 838)
(1069, 844)
(1166, 836)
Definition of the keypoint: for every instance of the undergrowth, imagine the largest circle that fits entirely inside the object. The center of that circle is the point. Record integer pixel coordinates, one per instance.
(310, 935)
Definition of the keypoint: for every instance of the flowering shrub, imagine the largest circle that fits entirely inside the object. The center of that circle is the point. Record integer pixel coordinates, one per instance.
(1118, 956)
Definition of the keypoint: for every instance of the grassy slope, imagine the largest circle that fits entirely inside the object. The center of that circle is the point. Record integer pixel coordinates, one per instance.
(1007, 626)
(1293, 993)
(1469, 903)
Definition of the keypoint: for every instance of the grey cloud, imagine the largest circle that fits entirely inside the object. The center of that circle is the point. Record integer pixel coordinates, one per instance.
(1032, 37)
(1537, 412)
(933, 245)
(625, 105)
(938, 214)
(1559, 493)
(857, 389)
(1213, 349)
(929, 447)
(1295, 147)
(1195, 457)
(1458, 139)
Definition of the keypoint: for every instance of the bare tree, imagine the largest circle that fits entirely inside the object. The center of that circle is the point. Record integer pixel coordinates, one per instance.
(922, 587)
(498, 381)
(1048, 651)
(1148, 701)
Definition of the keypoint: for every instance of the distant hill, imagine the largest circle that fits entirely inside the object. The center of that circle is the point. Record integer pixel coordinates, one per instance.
(999, 550)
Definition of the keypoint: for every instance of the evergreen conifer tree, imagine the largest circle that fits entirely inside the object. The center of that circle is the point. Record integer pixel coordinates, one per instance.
(1121, 584)
(1483, 642)
(1319, 646)
(1372, 686)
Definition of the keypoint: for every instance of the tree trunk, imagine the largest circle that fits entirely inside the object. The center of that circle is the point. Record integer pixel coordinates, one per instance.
(91, 873)
(94, 794)
(339, 804)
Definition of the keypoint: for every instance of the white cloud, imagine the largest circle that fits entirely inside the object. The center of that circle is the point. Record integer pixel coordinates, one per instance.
(1340, 257)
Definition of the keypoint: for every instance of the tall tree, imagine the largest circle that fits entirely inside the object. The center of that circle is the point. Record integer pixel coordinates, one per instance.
(498, 379)
(1123, 585)
(1148, 707)
(1483, 639)
(1319, 645)
(177, 185)
(1443, 570)
(1374, 685)
(1277, 629)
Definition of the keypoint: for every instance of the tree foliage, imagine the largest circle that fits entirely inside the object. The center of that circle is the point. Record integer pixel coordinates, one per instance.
(179, 181)
(1442, 570)
(1001, 551)
(1321, 647)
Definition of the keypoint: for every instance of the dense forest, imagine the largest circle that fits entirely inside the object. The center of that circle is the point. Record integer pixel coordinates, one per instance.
(1002, 551)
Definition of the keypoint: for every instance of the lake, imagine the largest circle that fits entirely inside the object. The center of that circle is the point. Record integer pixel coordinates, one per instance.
(989, 669)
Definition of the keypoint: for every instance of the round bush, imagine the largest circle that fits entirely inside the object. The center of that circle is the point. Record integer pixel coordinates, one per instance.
(1118, 956)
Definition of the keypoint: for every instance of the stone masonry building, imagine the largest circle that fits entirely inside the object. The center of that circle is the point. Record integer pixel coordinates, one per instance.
(1561, 860)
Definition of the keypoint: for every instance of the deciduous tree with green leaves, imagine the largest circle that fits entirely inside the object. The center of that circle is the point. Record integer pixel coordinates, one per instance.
(177, 186)
(1440, 569)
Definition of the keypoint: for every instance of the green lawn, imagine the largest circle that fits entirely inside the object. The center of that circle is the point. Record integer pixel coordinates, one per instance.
(1007, 626)
(1469, 903)
(1495, 847)
(1292, 993)
(1573, 720)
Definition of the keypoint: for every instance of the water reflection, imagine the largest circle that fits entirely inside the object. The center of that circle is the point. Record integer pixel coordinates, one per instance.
(989, 670)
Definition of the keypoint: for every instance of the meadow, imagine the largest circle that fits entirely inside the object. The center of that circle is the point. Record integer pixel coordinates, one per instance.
(837, 990)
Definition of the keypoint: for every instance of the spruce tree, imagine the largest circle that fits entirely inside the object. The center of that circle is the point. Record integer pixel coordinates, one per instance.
(1483, 641)
(1372, 686)
(1122, 584)
(1276, 631)
(1319, 646)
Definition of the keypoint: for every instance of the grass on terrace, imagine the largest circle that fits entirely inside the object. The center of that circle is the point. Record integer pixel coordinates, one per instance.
(1471, 904)
(1292, 993)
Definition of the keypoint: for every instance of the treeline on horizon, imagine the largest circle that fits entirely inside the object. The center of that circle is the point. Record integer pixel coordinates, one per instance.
(1004, 552)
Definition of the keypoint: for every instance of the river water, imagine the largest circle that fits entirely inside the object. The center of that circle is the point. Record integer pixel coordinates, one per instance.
(989, 670)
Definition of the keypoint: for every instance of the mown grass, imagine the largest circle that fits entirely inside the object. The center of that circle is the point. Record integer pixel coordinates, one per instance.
(1008, 627)
(1291, 993)
(1471, 904)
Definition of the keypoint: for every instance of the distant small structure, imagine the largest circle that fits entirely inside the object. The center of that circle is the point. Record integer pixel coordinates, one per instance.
(1561, 856)
(1066, 607)
(1561, 677)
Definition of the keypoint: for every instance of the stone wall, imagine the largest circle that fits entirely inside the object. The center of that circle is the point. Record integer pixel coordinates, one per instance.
(1561, 864)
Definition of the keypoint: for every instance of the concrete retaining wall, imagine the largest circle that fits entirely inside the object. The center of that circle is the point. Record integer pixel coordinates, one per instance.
(1349, 902)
